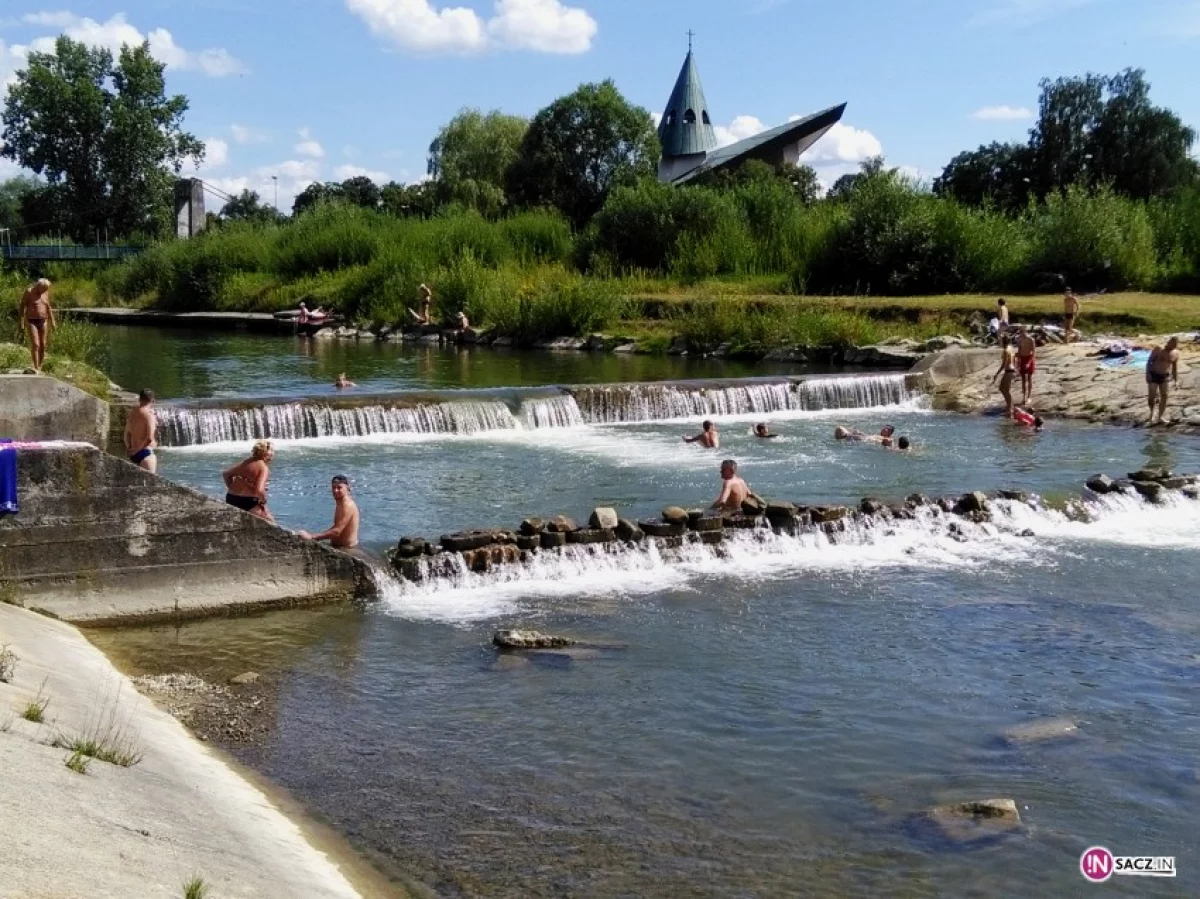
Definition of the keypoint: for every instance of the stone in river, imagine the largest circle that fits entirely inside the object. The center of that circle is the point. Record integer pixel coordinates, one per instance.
(662, 529)
(529, 541)
(707, 523)
(552, 539)
(1019, 496)
(754, 505)
(917, 499)
(410, 548)
(1041, 730)
(1176, 483)
(1149, 474)
(827, 514)
(971, 502)
(1100, 483)
(629, 531)
(464, 541)
(248, 677)
(1150, 490)
(532, 526)
(870, 506)
(591, 535)
(782, 512)
(604, 518)
(560, 524)
(674, 515)
(515, 639)
(970, 822)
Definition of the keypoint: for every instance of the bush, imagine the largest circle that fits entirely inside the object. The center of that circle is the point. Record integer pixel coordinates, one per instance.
(329, 237)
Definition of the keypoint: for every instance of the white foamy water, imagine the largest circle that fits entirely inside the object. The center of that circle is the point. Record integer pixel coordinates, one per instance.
(759, 555)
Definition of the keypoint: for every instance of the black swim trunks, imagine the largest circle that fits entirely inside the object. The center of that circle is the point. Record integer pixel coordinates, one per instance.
(37, 323)
(141, 455)
(1158, 377)
(245, 503)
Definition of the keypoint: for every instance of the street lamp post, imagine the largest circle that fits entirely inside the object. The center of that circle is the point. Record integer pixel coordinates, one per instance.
(275, 178)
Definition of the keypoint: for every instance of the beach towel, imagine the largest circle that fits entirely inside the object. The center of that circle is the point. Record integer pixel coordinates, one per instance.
(1135, 361)
(8, 478)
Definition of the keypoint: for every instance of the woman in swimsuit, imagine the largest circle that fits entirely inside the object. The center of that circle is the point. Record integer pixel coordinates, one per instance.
(1006, 372)
(246, 482)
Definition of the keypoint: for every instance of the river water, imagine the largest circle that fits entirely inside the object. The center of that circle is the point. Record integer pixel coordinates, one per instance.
(767, 724)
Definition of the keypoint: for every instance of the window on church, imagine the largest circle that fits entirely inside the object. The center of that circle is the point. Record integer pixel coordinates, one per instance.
(670, 119)
(707, 120)
(689, 117)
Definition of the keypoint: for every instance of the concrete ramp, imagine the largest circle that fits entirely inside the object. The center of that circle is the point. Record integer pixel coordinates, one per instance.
(33, 407)
(100, 541)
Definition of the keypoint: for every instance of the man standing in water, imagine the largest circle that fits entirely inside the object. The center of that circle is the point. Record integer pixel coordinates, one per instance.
(708, 438)
(344, 532)
(1070, 314)
(734, 491)
(1162, 370)
(37, 321)
(1026, 362)
(141, 428)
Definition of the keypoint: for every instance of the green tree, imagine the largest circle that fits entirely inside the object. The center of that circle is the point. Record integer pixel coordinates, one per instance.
(105, 136)
(579, 148)
(361, 191)
(997, 173)
(471, 156)
(408, 200)
(868, 169)
(12, 194)
(249, 207)
(315, 195)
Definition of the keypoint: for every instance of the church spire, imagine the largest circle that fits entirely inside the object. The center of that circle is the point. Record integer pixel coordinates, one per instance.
(686, 128)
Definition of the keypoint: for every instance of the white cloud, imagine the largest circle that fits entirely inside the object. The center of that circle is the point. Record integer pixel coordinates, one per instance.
(216, 152)
(843, 145)
(345, 172)
(244, 135)
(543, 26)
(10, 61)
(1022, 13)
(740, 128)
(294, 175)
(117, 32)
(309, 147)
(1002, 114)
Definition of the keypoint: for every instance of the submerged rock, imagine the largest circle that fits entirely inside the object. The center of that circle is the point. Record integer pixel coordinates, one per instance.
(1039, 731)
(970, 822)
(248, 677)
(514, 639)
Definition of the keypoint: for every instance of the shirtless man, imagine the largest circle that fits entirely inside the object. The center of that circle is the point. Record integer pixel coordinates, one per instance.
(1162, 370)
(1070, 314)
(734, 491)
(342, 382)
(1026, 362)
(708, 438)
(246, 482)
(37, 320)
(141, 429)
(886, 433)
(841, 432)
(344, 532)
(1001, 316)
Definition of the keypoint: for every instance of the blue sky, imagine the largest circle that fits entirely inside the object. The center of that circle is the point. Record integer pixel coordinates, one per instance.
(325, 89)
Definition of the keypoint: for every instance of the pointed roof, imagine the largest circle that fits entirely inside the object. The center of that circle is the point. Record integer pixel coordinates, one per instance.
(686, 126)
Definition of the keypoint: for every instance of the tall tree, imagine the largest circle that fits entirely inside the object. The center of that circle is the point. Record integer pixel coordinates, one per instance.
(579, 148)
(471, 156)
(12, 195)
(361, 191)
(997, 173)
(105, 136)
(249, 207)
(408, 200)
(315, 194)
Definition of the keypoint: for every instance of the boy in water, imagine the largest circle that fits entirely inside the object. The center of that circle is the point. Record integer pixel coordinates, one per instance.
(734, 491)
(707, 438)
(343, 534)
(37, 321)
(762, 432)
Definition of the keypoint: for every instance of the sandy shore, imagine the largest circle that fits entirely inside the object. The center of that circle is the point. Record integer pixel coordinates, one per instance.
(145, 830)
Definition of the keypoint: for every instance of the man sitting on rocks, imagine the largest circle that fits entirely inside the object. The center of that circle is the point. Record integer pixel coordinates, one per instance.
(344, 532)
(707, 438)
(734, 491)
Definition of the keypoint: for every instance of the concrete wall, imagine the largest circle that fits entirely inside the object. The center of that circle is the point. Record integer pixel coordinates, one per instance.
(100, 541)
(40, 408)
(951, 365)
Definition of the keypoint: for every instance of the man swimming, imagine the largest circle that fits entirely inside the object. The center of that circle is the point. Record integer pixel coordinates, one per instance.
(141, 430)
(903, 444)
(762, 432)
(708, 438)
(343, 382)
(734, 491)
(246, 482)
(1162, 370)
(885, 435)
(841, 432)
(37, 320)
(344, 532)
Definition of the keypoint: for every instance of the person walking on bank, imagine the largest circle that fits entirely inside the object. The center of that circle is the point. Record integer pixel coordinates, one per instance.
(141, 433)
(1070, 314)
(344, 532)
(1006, 372)
(1001, 316)
(1162, 370)
(1026, 362)
(246, 482)
(37, 321)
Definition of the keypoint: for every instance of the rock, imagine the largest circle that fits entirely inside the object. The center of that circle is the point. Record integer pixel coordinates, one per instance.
(470, 336)
(779, 512)
(711, 538)
(562, 343)
(740, 521)
(870, 506)
(1124, 485)
(970, 822)
(1149, 490)
(504, 341)
(1175, 483)
(1148, 474)
(829, 514)
(679, 347)
(531, 527)
(1039, 731)
(325, 334)
(1100, 484)
(529, 541)
(629, 531)
(937, 344)
(364, 334)
(664, 528)
(1191, 492)
(560, 524)
(917, 499)
(674, 515)
(970, 503)
(464, 541)
(707, 522)
(410, 548)
(1027, 533)
(787, 354)
(552, 539)
(591, 535)
(595, 343)
(754, 505)
(241, 680)
(604, 517)
(529, 640)
(1018, 496)
(626, 348)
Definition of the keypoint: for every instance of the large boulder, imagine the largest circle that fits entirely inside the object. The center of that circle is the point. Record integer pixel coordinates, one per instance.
(514, 639)
(971, 822)
(629, 531)
(604, 517)
(560, 524)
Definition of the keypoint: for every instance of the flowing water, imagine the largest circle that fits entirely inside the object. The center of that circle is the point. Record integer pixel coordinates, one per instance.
(766, 723)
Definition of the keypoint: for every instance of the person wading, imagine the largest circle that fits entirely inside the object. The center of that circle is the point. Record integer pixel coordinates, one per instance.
(1026, 362)
(734, 491)
(343, 534)
(141, 431)
(708, 437)
(246, 482)
(37, 321)
(1006, 372)
(1162, 370)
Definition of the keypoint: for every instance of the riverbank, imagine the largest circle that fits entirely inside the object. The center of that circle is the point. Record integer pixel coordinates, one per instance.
(176, 813)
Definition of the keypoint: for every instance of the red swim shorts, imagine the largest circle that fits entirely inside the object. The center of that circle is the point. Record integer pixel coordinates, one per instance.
(1028, 364)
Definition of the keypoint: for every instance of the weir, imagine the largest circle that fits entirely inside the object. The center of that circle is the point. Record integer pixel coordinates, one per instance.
(467, 413)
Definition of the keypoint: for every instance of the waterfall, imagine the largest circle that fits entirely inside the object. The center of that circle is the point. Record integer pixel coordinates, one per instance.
(555, 412)
(183, 426)
(658, 402)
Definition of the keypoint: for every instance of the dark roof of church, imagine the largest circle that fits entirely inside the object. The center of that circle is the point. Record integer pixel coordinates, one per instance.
(686, 127)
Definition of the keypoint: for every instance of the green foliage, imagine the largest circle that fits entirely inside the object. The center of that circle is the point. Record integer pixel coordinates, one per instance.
(195, 888)
(77, 762)
(249, 207)
(12, 196)
(471, 156)
(579, 148)
(35, 709)
(104, 135)
(751, 327)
